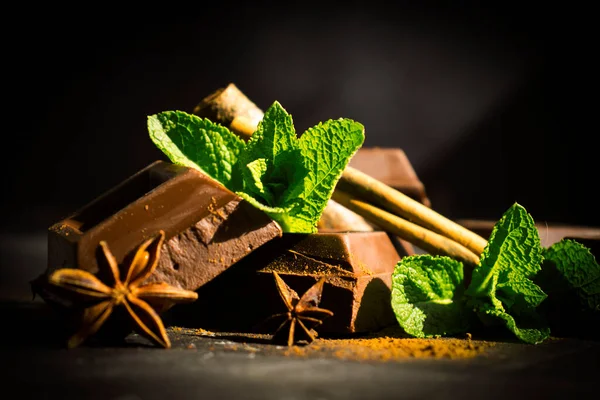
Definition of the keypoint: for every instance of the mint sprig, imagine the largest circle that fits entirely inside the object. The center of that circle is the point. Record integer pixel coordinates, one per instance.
(290, 178)
(571, 277)
(501, 292)
(428, 296)
(197, 143)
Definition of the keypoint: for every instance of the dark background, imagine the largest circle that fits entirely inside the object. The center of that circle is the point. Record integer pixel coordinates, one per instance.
(491, 103)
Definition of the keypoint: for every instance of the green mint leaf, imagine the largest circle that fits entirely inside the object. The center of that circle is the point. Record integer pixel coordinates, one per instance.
(274, 136)
(578, 268)
(274, 212)
(281, 215)
(513, 246)
(571, 277)
(196, 142)
(427, 296)
(501, 289)
(296, 174)
(527, 326)
(253, 175)
(518, 292)
(289, 178)
(281, 172)
(327, 148)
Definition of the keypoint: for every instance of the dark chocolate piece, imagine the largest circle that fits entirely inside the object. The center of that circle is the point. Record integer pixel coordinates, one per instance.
(357, 267)
(208, 228)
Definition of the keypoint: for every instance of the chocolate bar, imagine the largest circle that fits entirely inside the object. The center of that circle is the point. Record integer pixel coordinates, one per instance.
(357, 267)
(207, 227)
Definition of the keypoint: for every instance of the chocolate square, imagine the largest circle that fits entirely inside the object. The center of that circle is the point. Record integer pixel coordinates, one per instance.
(357, 266)
(208, 228)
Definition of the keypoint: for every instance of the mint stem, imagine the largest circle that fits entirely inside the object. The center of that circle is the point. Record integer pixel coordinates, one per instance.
(427, 240)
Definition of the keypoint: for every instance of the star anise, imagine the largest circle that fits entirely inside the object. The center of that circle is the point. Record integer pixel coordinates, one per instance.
(98, 299)
(303, 313)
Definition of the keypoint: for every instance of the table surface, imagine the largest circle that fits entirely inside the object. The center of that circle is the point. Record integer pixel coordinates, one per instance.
(237, 366)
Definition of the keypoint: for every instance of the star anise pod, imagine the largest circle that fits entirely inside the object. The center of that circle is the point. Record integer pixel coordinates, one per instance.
(303, 313)
(98, 299)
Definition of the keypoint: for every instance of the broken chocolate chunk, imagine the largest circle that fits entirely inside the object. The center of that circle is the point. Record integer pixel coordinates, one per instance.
(357, 267)
(208, 228)
(337, 218)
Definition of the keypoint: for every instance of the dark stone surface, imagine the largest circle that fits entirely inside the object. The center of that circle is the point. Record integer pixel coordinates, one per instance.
(247, 367)
(34, 366)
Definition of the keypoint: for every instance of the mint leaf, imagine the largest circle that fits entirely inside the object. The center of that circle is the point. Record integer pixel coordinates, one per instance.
(427, 296)
(274, 136)
(578, 268)
(275, 212)
(518, 292)
(197, 143)
(513, 246)
(326, 149)
(289, 178)
(501, 290)
(528, 326)
(571, 277)
(253, 176)
(278, 180)
(296, 176)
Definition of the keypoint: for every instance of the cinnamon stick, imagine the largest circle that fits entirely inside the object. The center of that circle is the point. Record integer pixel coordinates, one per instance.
(426, 239)
(230, 107)
(379, 194)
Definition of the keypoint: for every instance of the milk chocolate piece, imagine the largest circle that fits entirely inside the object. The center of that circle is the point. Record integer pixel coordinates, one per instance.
(337, 218)
(357, 267)
(208, 228)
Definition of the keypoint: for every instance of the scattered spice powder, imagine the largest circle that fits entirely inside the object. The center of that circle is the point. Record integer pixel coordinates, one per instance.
(302, 264)
(388, 345)
(203, 332)
(392, 348)
(193, 331)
